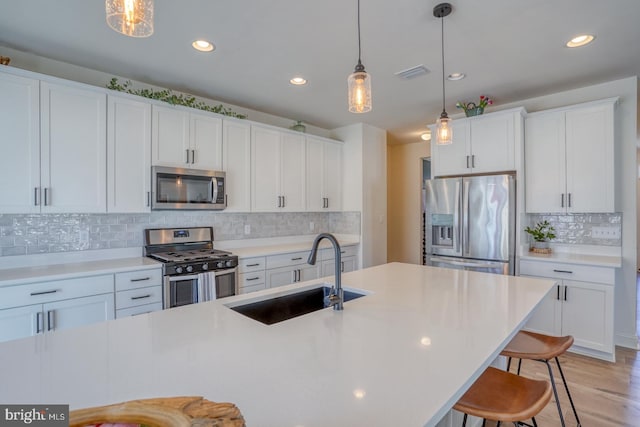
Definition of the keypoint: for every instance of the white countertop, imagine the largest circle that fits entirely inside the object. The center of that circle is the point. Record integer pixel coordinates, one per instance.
(24, 275)
(275, 246)
(598, 256)
(400, 356)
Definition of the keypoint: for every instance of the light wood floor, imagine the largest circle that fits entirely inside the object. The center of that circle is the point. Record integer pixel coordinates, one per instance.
(605, 394)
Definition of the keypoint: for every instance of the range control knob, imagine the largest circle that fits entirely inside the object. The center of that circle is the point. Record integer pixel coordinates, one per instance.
(189, 268)
(205, 266)
(179, 270)
(229, 263)
(220, 264)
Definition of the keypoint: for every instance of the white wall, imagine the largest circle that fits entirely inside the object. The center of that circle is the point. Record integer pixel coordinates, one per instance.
(626, 183)
(404, 177)
(365, 186)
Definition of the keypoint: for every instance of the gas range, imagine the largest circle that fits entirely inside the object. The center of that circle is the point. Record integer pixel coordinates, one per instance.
(186, 250)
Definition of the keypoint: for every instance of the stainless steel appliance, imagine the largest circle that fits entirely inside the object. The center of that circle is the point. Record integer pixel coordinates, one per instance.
(177, 188)
(193, 270)
(470, 223)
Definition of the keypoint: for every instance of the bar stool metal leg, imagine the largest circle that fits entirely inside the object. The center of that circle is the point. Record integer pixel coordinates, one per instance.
(464, 420)
(555, 392)
(566, 387)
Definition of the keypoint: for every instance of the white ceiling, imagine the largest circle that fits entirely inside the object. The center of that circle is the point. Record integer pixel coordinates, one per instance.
(509, 49)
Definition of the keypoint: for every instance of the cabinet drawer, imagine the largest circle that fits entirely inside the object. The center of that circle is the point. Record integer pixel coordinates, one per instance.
(251, 264)
(252, 288)
(285, 260)
(250, 279)
(56, 290)
(559, 270)
(141, 309)
(140, 296)
(138, 279)
(345, 251)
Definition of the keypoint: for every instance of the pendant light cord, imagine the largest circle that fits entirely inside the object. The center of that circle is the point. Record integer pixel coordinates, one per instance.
(359, 51)
(442, 50)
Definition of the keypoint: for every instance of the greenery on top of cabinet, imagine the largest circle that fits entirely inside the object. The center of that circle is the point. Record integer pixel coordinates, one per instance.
(169, 97)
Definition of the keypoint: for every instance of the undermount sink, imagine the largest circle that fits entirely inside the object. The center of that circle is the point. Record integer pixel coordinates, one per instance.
(284, 307)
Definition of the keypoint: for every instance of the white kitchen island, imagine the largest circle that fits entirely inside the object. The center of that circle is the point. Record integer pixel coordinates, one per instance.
(400, 356)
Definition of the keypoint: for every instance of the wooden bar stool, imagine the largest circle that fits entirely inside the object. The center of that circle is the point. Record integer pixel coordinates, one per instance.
(502, 396)
(542, 348)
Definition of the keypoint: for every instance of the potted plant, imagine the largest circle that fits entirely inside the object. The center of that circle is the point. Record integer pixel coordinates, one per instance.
(473, 109)
(541, 234)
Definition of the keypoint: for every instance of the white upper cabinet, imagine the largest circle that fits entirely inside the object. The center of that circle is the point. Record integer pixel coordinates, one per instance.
(128, 155)
(73, 147)
(186, 139)
(278, 165)
(236, 154)
(481, 144)
(20, 144)
(569, 158)
(324, 175)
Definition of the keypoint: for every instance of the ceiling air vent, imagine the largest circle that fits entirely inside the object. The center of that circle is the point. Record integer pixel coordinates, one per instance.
(410, 73)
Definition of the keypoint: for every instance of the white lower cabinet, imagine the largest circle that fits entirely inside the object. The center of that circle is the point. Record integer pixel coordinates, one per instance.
(288, 275)
(35, 308)
(582, 308)
(138, 292)
(349, 263)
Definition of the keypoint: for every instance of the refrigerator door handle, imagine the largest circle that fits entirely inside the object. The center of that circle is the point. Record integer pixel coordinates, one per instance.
(477, 264)
(465, 216)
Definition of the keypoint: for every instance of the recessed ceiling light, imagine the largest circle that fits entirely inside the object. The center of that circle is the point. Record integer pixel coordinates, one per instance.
(298, 81)
(426, 136)
(580, 40)
(456, 76)
(203, 46)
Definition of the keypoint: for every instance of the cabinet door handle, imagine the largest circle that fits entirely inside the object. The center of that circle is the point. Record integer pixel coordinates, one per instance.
(39, 322)
(342, 266)
(141, 279)
(53, 291)
(148, 198)
(46, 196)
(562, 200)
(296, 259)
(569, 199)
(279, 201)
(253, 265)
(473, 160)
(563, 271)
(51, 320)
(251, 278)
(35, 196)
(467, 162)
(141, 297)
(193, 156)
(187, 151)
(565, 292)
(558, 292)
(284, 201)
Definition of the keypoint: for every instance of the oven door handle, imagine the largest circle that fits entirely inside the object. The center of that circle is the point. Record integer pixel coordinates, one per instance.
(178, 278)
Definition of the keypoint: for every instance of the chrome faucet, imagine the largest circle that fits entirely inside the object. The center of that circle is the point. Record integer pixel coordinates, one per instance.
(336, 296)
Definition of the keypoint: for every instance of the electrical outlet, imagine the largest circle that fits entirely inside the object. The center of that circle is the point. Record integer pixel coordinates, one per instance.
(312, 226)
(247, 229)
(605, 232)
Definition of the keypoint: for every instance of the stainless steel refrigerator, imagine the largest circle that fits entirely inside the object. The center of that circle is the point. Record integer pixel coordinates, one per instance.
(469, 223)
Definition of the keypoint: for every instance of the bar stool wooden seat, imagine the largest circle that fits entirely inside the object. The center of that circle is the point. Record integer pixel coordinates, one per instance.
(542, 348)
(502, 396)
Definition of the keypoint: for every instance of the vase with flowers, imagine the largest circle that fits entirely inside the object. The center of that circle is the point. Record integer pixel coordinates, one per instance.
(473, 109)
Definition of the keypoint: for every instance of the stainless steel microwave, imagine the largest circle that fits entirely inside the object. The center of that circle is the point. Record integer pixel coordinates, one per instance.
(190, 189)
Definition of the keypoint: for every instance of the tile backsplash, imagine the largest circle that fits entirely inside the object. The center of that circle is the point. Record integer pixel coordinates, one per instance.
(577, 229)
(46, 233)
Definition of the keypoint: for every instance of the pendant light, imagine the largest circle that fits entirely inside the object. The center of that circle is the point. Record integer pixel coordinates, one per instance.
(359, 83)
(444, 133)
(132, 18)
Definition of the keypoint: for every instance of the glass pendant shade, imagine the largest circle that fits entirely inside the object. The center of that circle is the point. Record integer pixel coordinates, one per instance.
(359, 92)
(444, 133)
(132, 18)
